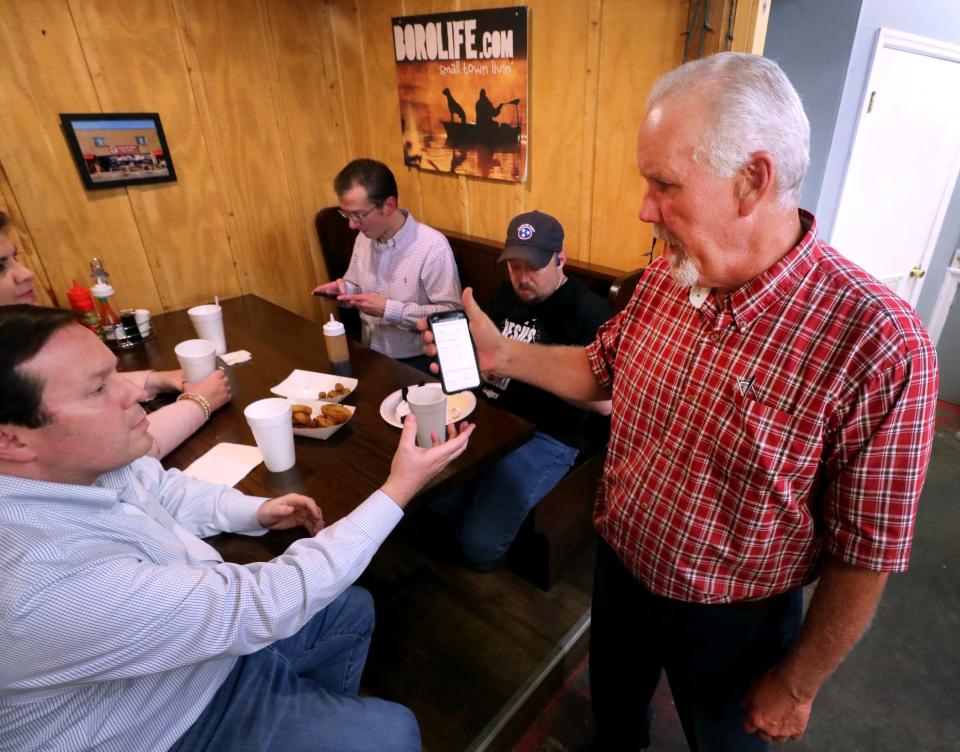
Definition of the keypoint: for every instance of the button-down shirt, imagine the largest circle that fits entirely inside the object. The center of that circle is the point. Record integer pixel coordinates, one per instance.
(416, 272)
(747, 440)
(119, 624)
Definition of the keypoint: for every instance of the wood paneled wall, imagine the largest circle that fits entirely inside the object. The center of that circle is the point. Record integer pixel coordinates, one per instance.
(263, 101)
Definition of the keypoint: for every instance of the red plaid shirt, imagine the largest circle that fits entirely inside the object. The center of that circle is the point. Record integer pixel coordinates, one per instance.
(746, 441)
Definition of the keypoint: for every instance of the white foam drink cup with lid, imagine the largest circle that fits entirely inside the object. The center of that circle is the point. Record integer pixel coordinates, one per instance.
(198, 359)
(207, 320)
(429, 404)
(271, 421)
(335, 338)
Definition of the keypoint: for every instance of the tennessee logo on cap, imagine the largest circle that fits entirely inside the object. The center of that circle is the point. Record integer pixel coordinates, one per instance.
(525, 232)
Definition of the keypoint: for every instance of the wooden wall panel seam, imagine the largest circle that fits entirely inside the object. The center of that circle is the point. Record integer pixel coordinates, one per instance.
(291, 178)
(308, 257)
(91, 55)
(214, 156)
(591, 101)
(335, 83)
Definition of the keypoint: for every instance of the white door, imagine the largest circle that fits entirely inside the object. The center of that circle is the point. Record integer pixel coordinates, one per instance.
(904, 163)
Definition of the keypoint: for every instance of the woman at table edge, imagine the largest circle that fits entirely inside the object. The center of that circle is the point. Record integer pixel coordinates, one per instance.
(171, 424)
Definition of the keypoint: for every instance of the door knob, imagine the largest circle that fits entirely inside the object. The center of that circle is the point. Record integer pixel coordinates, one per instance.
(917, 272)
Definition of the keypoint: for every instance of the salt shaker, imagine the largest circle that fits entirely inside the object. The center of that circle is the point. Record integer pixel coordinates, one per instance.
(335, 337)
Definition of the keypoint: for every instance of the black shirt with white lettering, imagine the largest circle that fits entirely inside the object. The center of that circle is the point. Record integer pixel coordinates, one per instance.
(571, 316)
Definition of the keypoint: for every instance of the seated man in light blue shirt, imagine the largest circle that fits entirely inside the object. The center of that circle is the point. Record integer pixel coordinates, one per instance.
(122, 629)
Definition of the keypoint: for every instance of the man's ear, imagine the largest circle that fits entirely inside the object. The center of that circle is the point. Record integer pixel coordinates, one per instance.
(12, 449)
(756, 182)
(389, 205)
(561, 257)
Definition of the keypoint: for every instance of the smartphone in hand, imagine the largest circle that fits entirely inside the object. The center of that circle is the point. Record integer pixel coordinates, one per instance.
(455, 352)
(318, 293)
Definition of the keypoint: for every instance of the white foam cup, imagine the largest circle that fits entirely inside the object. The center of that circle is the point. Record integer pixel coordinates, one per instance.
(142, 317)
(272, 425)
(207, 320)
(429, 404)
(198, 359)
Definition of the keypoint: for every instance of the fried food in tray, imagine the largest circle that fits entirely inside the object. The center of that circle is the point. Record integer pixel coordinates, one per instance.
(339, 390)
(331, 414)
(302, 416)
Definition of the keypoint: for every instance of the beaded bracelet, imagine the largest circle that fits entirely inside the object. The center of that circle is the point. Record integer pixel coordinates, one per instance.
(200, 400)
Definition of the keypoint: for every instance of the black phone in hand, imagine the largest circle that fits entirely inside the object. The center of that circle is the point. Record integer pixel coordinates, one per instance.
(456, 354)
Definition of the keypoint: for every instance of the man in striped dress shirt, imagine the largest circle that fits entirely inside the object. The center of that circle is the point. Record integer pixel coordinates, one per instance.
(123, 630)
(401, 270)
(773, 412)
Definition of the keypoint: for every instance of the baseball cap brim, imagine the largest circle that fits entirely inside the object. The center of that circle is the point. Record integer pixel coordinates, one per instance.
(536, 257)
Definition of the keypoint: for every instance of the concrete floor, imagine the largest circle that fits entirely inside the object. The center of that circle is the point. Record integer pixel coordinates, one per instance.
(898, 690)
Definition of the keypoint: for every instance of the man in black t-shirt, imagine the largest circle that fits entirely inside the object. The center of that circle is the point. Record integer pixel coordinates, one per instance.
(541, 304)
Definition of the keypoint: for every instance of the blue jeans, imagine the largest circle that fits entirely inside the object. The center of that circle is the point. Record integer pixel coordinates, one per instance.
(492, 508)
(300, 694)
(711, 655)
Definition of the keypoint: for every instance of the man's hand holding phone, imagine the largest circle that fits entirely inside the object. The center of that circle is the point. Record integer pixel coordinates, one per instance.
(488, 343)
(330, 290)
(455, 353)
(370, 303)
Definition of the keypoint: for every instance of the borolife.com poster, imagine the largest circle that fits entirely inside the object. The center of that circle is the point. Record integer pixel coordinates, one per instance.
(462, 81)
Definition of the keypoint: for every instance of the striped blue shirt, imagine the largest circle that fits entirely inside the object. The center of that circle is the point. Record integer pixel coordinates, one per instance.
(118, 624)
(416, 272)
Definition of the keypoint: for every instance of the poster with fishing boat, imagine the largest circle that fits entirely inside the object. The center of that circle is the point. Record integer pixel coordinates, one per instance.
(462, 81)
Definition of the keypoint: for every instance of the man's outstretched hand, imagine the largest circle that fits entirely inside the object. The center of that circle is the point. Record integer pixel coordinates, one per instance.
(413, 466)
(490, 345)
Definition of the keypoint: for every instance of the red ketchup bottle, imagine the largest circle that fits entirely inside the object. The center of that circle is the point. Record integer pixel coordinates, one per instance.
(82, 302)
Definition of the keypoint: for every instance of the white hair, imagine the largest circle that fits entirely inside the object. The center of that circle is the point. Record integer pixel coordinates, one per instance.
(752, 107)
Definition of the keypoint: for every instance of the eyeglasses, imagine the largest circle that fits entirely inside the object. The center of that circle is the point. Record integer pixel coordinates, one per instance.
(357, 217)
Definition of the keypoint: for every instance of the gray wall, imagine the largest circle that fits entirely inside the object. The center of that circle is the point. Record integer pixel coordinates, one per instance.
(811, 40)
(822, 42)
(948, 352)
(937, 19)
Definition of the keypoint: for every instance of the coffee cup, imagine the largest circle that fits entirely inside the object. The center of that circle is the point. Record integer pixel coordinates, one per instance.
(198, 359)
(272, 425)
(429, 404)
(207, 320)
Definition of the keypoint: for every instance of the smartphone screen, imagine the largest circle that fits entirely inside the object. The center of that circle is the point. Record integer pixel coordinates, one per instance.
(455, 353)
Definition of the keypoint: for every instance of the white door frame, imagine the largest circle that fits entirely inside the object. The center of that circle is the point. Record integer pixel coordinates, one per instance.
(915, 44)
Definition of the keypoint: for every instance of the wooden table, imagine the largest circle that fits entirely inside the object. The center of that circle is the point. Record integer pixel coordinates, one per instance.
(339, 472)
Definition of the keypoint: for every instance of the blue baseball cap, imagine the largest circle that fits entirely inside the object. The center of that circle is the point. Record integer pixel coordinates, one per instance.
(533, 237)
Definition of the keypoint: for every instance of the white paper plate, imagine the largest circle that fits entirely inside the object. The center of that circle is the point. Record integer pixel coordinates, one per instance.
(318, 433)
(459, 406)
(307, 385)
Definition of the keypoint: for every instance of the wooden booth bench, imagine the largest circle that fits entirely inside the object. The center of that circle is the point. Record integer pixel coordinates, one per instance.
(557, 526)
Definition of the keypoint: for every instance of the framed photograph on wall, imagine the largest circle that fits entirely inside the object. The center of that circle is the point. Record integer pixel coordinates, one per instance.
(118, 148)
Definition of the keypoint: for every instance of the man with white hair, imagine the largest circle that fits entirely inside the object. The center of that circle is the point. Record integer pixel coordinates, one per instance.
(773, 411)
